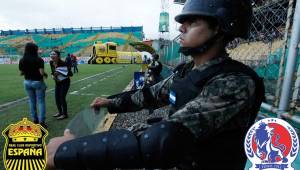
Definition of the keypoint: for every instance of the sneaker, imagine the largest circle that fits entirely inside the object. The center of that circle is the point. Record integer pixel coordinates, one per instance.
(57, 115)
(44, 125)
(62, 117)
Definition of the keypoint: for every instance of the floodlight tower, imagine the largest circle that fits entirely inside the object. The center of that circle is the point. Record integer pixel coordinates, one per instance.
(164, 17)
(164, 35)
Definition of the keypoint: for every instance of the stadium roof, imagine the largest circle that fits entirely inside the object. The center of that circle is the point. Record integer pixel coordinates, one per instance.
(72, 30)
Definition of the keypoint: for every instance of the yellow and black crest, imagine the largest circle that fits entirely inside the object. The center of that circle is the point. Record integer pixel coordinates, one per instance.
(25, 146)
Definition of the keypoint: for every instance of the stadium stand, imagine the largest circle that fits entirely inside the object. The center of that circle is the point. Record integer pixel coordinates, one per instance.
(68, 40)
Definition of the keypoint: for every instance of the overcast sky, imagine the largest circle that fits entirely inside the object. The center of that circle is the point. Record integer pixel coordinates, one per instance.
(22, 14)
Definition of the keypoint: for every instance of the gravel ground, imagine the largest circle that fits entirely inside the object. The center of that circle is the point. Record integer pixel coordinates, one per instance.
(126, 120)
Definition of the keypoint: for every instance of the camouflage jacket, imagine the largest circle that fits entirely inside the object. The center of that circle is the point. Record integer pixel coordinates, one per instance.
(221, 99)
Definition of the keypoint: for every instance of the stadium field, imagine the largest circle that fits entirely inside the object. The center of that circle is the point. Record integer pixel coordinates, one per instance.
(92, 81)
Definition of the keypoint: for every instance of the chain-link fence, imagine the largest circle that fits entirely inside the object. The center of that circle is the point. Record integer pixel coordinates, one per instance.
(169, 53)
(268, 42)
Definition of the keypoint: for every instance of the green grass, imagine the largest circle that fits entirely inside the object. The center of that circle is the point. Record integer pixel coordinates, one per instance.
(12, 88)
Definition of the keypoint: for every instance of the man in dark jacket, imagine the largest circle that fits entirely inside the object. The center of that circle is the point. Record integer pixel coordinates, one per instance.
(68, 61)
(213, 101)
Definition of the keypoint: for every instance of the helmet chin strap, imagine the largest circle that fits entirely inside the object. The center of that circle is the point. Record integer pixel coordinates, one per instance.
(201, 48)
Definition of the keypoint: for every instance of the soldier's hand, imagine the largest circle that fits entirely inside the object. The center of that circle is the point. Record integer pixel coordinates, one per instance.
(100, 102)
(53, 145)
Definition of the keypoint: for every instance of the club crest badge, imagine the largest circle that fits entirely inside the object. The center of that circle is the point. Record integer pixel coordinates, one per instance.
(25, 146)
(271, 143)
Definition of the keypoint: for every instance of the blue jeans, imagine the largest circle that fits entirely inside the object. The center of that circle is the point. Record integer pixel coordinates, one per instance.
(36, 93)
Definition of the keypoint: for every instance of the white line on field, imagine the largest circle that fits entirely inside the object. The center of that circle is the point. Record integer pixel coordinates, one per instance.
(84, 94)
(97, 75)
(89, 85)
(74, 92)
(87, 94)
(6, 105)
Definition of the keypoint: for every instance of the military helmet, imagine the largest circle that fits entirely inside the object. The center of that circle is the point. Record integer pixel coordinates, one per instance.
(234, 16)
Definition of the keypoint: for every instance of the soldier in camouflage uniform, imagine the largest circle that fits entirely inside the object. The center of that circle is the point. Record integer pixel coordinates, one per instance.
(213, 101)
(152, 75)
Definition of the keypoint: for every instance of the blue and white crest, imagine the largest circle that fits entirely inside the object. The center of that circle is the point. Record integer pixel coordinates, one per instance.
(271, 143)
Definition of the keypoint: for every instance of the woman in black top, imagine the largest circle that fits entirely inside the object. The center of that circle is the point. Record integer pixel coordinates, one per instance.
(31, 67)
(60, 73)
